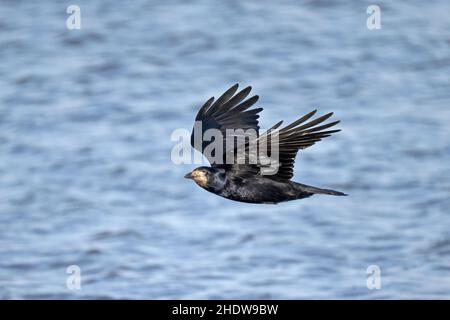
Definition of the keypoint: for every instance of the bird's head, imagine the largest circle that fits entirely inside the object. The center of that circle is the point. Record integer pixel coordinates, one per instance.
(207, 177)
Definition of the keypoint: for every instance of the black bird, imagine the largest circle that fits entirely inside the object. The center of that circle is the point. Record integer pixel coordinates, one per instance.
(247, 182)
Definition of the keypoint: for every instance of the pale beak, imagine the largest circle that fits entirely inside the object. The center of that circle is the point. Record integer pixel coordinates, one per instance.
(189, 176)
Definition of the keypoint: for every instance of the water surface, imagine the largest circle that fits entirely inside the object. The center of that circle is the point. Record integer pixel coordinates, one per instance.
(85, 171)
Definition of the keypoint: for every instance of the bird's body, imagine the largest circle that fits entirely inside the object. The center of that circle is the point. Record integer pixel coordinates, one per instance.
(262, 190)
(250, 181)
(255, 189)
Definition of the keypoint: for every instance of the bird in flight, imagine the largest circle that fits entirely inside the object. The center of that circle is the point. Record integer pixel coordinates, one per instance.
(236, 173)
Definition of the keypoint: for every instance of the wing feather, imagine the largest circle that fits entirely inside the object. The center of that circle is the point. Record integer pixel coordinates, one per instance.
(298, 135)
(230, 111)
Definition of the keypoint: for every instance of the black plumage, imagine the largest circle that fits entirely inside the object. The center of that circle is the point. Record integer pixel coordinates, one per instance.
(242, 173)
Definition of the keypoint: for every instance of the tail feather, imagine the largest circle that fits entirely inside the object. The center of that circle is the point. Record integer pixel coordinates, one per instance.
(311, 189)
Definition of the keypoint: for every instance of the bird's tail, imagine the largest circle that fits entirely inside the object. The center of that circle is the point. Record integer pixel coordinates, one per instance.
(314, 190)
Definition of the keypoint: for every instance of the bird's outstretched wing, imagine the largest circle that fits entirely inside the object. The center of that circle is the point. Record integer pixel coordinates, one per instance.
(300, 134)
(230, 111)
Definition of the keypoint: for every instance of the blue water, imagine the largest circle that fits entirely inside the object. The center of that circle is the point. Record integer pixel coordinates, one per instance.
(86, 176)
